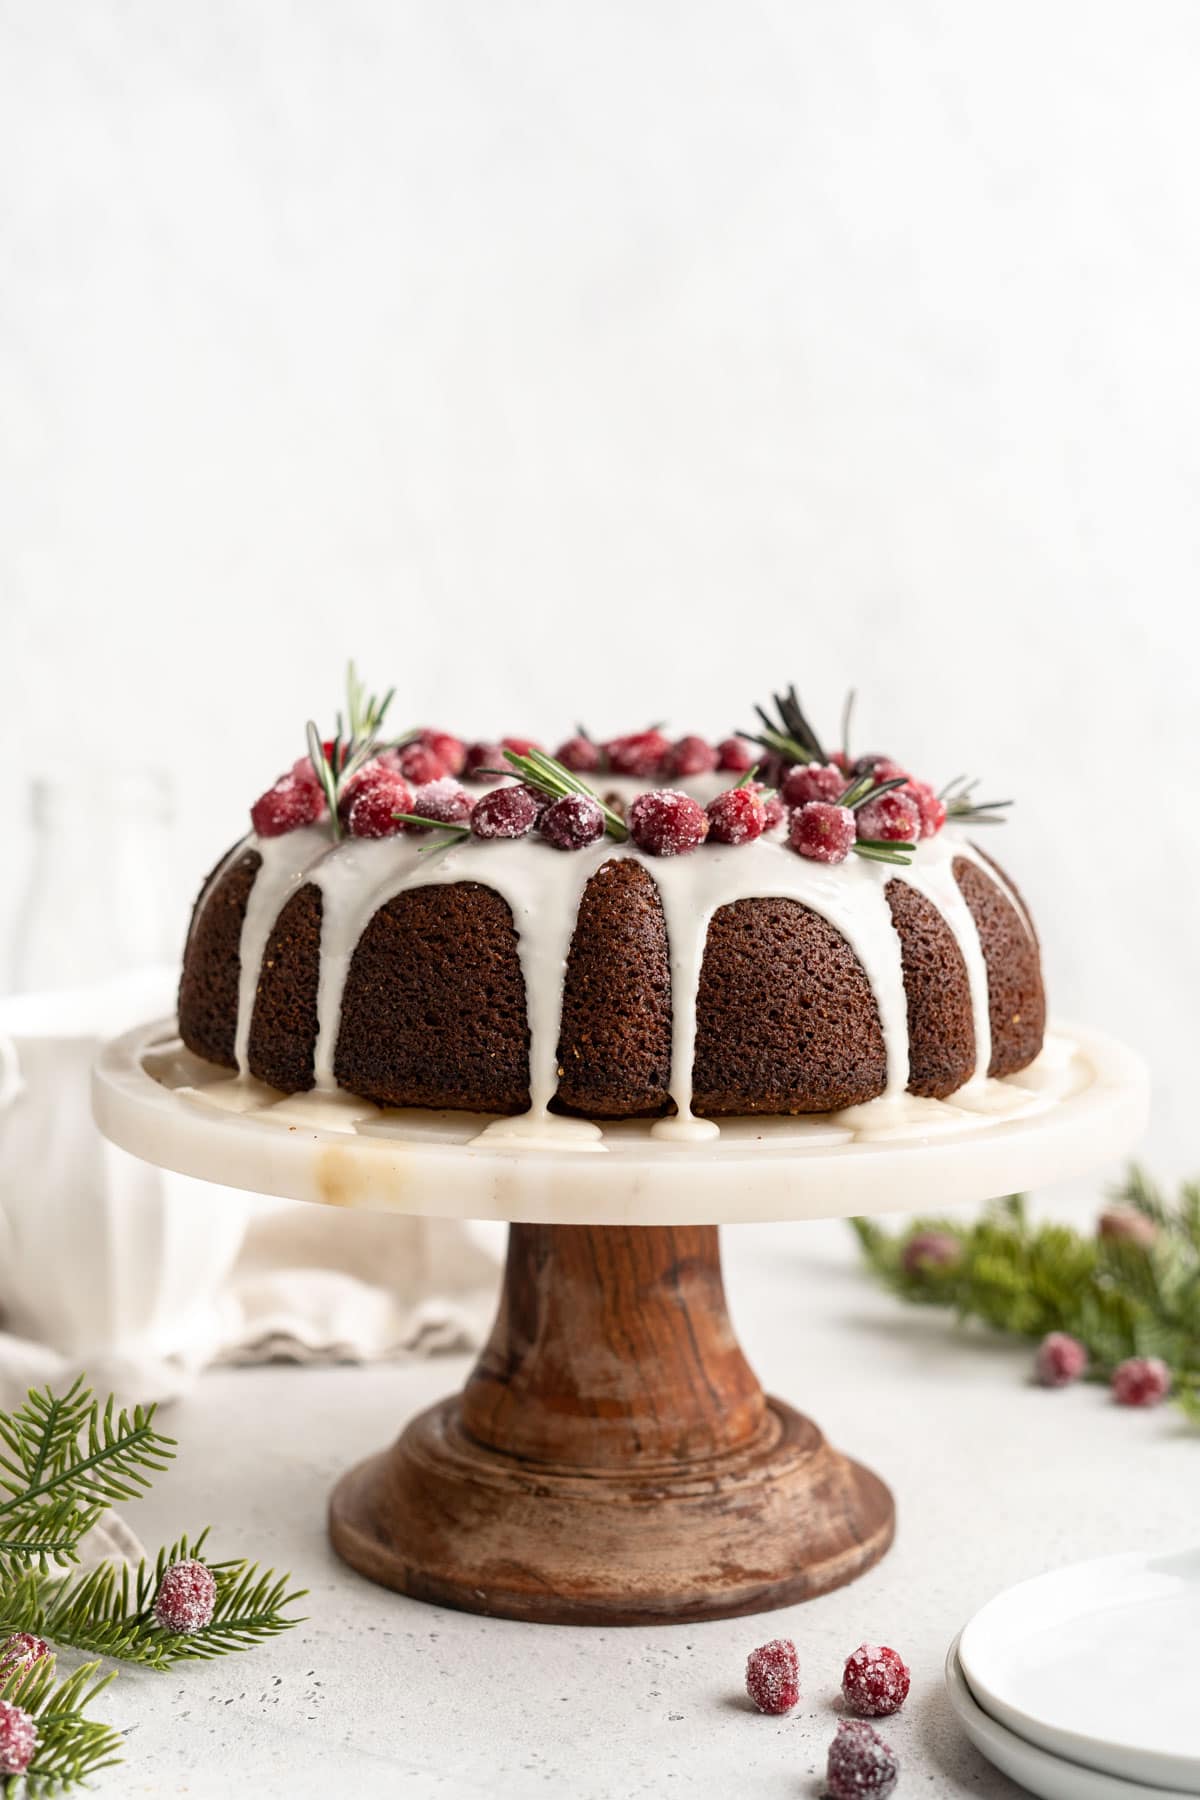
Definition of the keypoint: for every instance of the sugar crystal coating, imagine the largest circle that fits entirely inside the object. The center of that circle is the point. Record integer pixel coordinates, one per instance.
(641, 753)
(1060, 1360)
(485, 762)
(861, 1766)
(689, 756)
(22, 1650)
(374, 805)
(738, 755)
(1141, 1381)
(186, 1597)
(18, 1738)
(667, 823)
(812, 781)
(572, 823)
(821, 832)
(875, 1681)
(580, 755)
(445, 800)
(773, 1676)
(737, 816)
(892, 818)
(506, 812)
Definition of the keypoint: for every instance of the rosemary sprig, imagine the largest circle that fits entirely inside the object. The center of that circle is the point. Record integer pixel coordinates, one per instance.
(847, 715)
(885, 850)
(355, 742)
(789, 734)
(453, 834)
(961, 804)
(548, 776)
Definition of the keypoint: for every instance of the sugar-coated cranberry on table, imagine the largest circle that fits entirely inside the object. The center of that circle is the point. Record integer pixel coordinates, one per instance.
(1141, 1381)
(21, 1650)
(18, 1738)
(667, 823)
(1060, 1360)
(860, 1765)
(875, 1681)
(186, 1598)
(926, 1250)
(773, 1676)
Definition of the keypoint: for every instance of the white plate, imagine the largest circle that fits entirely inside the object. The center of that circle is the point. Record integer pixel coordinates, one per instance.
(1053, 1777)
(1098, 1663)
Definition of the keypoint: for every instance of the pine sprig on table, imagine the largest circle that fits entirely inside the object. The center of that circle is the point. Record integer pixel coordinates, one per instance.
(70, 1747)
(1119, 1297)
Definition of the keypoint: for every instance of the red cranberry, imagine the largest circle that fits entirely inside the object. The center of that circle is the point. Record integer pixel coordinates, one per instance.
(737, 754)
(931, 808)
(419, 764)
(860, 1766)
(875, 1681)
(869, 764)
(1123, 1224)
(291, 803)
(821, 832)
(450, 751)
(930, 1250)
(22, 1650)
(186, 1597)
(483, 760)
(374, 805)
(520, 746)
(639, 754)
(1141, 1381)
(773, 1676)
(812, 781)
(773, 808)
(1061, 1359)
(737, 816)
(382, 770)
(690, 756)
(580, 755)
(446, 800)
(18, 1739)
(302, 770)
(893, 818)
(841, 761)
(667, 823)
(572, 823)
(507, 812)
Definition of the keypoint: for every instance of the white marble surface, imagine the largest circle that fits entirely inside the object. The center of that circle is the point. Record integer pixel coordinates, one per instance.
(376, 1695)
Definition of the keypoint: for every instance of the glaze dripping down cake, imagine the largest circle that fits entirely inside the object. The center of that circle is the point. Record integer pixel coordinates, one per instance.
(780, 930)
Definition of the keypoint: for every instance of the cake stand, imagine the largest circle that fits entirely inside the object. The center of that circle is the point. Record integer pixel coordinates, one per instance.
(612, 1458)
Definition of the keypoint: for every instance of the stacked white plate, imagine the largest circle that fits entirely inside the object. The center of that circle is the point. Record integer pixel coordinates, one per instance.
(1084, 1684)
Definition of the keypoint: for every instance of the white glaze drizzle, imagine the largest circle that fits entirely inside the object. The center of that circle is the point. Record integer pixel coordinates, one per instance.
(543, 888)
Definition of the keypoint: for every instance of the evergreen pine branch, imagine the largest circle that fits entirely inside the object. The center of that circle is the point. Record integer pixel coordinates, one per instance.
(1119, 1297)
(71, 1747)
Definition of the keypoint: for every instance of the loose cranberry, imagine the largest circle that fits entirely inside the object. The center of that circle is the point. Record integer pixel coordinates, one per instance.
(737, 754)
(689, 756)
(18, 1738)
(773, 1676)
(930, 1250)
(187, 1595)
(823, 833)
(737, 816)
(812, 781)
(419, 764)
(929, 806)
(1123, 1224)
(1141, 1381)
(446, 800)
(860, 1766)
(374, 805)
(520, 746)
(875, 1681)
(893, 818)
(580, 755)
(667, 823)
(291, 803)
(639, 754)
(483, 762)
(572, 823)
(450, 751)
(1061, 1359)
(21, 1651)
(507, 812)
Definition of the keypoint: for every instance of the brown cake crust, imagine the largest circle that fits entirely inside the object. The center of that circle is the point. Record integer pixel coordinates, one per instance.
(212, 963)
(941, 1027)
(433, 1012)
(1016, 997)
(614, 1048)
(283, 1027)
(786, 1020)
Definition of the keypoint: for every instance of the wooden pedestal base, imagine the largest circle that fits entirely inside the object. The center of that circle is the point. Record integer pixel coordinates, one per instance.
(612, 1459)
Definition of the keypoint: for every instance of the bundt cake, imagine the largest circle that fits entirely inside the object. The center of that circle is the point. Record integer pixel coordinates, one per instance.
(562, 935)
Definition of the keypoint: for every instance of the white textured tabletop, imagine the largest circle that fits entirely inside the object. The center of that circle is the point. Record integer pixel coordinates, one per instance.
(377, 1695)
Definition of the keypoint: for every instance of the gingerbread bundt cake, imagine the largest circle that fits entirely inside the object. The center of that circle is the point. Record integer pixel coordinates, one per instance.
(803, 936)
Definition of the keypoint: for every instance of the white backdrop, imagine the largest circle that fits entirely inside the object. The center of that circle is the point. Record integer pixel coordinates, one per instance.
(619, 362)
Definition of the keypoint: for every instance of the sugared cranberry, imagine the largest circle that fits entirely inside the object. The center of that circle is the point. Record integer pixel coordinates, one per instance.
(737, 816)
(821, 832)
(892, 818)
(485, 762)
(580, 755)
(186, 1597)
(18, 1738)
(520, 746)
(303, 771)
(450, 751)
(737, 754)
(931, 808)
(875, 1681)
(689, 756)
(869, 764)
(446, 800)
(21, 1651)
(1061, 1359)
(507, 812)
(572, 823)
(841, 761)
(1123, 1224)
(667, 823)
(773, 805)
(381, 770)
(812, 781)
(640, 754)
(1141, 1381)
(860, 1766)
(374, 805)
(418, 764)
(930, 1250)
(291, 803)
(773, 1676)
